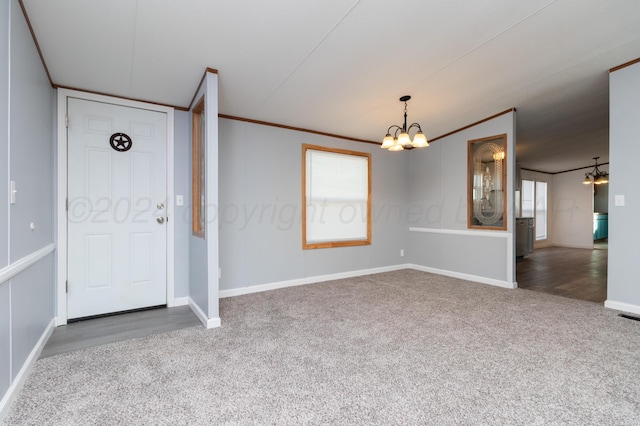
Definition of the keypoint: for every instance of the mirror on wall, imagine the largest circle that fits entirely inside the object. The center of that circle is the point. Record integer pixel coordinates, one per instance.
(487, 182)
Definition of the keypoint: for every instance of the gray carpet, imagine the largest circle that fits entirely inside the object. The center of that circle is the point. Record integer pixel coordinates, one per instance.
(403, 347)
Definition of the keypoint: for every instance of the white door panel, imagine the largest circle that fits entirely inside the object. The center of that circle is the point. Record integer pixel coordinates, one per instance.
(116, 244)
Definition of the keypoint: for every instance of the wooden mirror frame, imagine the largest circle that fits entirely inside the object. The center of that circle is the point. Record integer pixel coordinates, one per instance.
(487, 183)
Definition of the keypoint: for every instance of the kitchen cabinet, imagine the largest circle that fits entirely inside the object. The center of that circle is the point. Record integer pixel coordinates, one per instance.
(600, 226)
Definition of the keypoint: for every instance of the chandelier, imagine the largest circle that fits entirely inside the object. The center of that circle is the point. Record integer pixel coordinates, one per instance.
(401, 141)
(596, 176)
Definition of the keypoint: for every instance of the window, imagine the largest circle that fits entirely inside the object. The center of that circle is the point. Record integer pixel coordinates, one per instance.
(534, 204)
(541, 211)
(198, 151)
(336, 197)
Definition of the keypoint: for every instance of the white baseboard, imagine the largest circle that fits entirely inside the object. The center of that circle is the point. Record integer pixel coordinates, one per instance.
(309, 280)
(18, 382)
(575, 246)
(322, 278)
(180, 301)
(621, 306)
(468, 277)
(204, 319)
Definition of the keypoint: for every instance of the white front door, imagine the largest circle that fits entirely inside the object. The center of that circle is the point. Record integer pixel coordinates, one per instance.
(116, 217)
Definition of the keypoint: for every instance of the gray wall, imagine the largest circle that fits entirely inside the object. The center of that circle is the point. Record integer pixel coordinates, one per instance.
(4, 132)
(198, 287)
(32, 299)
(438, 202)
(5, 339)
(182, 186)
(261, 207)
(26, 129)
(624, 152)
(203, 253)
(31, 163)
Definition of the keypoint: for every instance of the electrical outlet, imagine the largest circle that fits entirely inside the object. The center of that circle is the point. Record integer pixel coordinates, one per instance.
(401, 252)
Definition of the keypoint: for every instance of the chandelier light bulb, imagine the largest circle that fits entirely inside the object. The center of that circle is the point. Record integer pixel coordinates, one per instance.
(420, 140)
(396, 146)
(387, 142)
(404, 139)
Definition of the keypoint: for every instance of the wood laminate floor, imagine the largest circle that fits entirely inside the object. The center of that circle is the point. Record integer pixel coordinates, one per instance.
(575, 273)
(100, 331)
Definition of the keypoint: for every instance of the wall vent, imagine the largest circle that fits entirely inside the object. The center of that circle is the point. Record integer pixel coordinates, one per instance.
(631, 317)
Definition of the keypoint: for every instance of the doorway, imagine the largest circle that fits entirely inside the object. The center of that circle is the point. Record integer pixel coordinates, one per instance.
(115, 173)
(566, 261)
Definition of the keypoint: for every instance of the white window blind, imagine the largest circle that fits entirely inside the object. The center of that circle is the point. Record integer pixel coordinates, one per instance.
(337, 191)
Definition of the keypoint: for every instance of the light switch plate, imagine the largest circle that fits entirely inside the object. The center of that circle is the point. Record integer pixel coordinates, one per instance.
(619, 200)
(13, 192)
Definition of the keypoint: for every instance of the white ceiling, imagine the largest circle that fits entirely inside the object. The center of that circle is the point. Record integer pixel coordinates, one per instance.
(339, 66)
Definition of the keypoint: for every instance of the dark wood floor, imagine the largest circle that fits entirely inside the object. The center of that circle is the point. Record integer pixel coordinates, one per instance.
(575, 273)
(100, 331)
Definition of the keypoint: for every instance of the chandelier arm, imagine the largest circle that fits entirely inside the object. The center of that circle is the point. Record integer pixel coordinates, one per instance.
(391, 127)
(414, 125)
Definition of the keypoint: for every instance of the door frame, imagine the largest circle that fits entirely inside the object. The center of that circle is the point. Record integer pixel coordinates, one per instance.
(61, 191)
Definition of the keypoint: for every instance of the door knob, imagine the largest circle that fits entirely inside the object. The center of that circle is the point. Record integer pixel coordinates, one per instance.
(160, 206)
(160, 220)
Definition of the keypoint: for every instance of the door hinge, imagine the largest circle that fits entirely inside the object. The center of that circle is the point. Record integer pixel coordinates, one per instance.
(66, 288)
(66, 203)
(66, 121)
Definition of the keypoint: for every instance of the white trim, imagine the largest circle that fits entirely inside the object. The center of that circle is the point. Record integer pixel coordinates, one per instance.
(61, 263)
(468, 277)
(621, 306)
(469, 233)
(322, 278)
(22, 375)
(181, 301)
(20, 265)
(207, 322)
(574, 246)
(61, 258)
(171, 218)
(309, 280)
(541, 245)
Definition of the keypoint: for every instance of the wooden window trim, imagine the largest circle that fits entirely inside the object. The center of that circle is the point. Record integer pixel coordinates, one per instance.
(505, 209)
(197, 181)
(333, 244)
